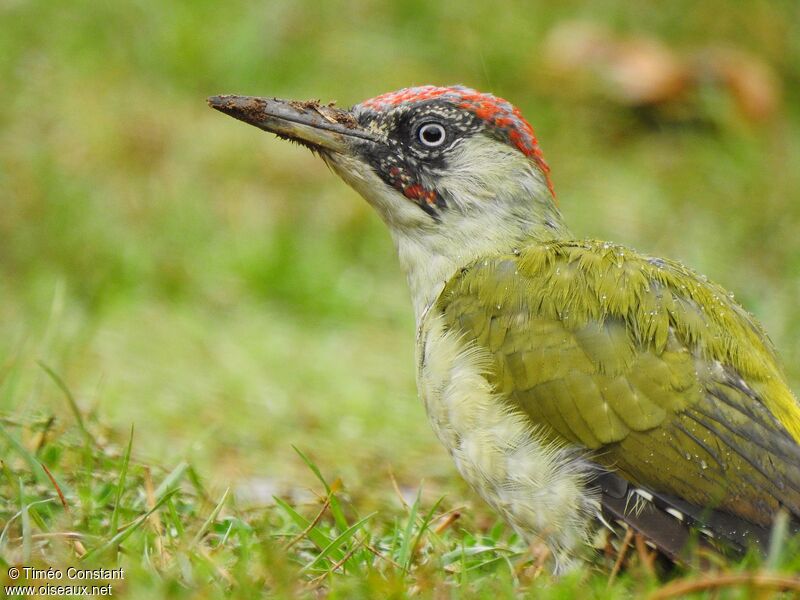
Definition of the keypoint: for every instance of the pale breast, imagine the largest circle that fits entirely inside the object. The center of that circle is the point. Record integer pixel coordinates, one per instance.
(538, 486)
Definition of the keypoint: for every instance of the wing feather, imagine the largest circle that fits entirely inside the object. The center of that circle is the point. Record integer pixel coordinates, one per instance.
(657, 371)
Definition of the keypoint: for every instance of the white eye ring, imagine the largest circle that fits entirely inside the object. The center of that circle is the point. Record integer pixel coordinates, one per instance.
(431, 135)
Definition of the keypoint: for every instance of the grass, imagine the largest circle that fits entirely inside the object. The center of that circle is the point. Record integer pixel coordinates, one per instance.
(86, 502)
(164, 267)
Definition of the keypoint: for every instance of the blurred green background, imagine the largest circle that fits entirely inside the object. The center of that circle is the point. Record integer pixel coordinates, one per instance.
(223, 291)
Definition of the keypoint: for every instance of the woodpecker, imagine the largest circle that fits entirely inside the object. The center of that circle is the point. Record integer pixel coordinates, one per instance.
(570, 380)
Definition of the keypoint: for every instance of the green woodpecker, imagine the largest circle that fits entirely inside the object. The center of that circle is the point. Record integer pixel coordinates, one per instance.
(569, 379)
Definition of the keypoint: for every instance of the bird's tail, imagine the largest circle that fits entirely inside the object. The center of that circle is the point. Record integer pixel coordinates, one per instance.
(674, 526)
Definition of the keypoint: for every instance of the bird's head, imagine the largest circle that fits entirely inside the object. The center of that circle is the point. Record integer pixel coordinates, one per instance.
(453, 172)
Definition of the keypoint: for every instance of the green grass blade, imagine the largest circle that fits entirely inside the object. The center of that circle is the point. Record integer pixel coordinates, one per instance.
(426, 521)
(314, 534)
(175, 518)
(171, 480)
(73, 404)
(123, 535)
(470, 551)
(339, 541)
(314, 468)
(37, 518)
(27, 543)
(194, 479)
(336, 508)
(405, 549)
(211, 518)
(36, 468)
(123, 473)
(13, 482)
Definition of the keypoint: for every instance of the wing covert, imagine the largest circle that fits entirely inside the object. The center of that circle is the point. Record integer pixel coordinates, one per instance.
(658, 372)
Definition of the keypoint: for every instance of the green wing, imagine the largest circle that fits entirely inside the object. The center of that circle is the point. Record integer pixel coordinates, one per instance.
(660, 374)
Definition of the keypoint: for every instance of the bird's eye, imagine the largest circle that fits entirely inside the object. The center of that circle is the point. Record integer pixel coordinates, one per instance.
(431, 135)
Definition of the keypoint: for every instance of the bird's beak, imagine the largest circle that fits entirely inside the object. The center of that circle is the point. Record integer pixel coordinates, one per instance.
(320, 126)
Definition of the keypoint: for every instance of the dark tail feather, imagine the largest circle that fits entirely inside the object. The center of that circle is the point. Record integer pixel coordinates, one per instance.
(675, 526)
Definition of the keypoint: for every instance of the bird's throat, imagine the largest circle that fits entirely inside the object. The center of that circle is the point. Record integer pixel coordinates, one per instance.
(429, 259)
